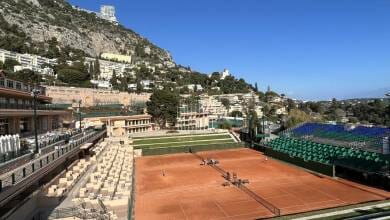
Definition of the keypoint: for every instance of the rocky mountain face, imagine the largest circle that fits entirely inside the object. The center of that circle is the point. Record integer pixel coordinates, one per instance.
(55, 29)
(42, 20)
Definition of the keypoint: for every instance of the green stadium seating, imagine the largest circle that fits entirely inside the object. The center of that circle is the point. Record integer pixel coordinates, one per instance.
(328, 154)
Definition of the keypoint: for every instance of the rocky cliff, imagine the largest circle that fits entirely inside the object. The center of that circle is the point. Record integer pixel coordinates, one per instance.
(32, 23)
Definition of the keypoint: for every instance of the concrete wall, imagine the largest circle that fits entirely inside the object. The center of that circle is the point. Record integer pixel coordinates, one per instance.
(92, 97)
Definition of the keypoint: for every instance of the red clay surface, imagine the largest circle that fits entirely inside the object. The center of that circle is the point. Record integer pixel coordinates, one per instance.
(191, 191)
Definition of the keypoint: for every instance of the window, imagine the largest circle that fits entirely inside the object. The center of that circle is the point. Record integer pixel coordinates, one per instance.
(18, 85)
(4, 126)
(10, 84)
(28, 103)
(2, 82)
(23, 125)
(3, 100)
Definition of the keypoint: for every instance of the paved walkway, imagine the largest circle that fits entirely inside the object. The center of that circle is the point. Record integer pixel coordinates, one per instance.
(346, 211)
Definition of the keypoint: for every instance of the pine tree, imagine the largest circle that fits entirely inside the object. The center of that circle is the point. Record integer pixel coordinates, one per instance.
(114, 80)
(96, 68)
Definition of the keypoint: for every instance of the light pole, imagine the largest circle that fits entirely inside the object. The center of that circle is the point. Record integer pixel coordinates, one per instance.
(79, 111)
(35, 93)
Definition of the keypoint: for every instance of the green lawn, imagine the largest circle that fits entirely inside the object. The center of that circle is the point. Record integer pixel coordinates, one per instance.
(171, 135)
(169, 145)
(158, 141)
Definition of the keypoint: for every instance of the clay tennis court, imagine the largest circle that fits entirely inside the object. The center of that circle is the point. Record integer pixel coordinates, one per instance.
(178, 187)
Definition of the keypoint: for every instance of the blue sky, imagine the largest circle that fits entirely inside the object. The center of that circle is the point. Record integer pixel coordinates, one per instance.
(309, 49)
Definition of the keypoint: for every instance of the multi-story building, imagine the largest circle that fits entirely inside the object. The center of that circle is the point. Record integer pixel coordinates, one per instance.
(122, 125)
(16, 109)
(28, 61)
(116, 57)
(107, 68)
(223, 74)
(193, 87)
(238, 102)
(92, 97)
(192, 119)
(107, 12)
(102, 84)
(212, 105)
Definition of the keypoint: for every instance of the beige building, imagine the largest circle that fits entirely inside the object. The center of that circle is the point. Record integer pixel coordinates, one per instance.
(116, 57)
(92, 97)
(122, 125)
(212, 105)
(16, 109)
(192, 121)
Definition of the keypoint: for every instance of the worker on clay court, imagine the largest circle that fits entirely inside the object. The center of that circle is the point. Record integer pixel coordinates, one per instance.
(163, 172)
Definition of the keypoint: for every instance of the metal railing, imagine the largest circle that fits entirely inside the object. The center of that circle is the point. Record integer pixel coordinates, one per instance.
(25, 170)
(12, 155)
(48, 107)
(9, 159)
(78, 212)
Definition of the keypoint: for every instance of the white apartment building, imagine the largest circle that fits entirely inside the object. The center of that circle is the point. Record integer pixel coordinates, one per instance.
(236, 107)
(102, 84)
(107, 12)
(107, 68)
(147, 84)
(28, 61)
(281, 111)
(225, 73)
(192, 87)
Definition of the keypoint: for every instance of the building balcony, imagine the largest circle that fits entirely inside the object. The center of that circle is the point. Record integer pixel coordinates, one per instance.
(14, 109)
(137, 126)
(14, 88)
(49, 107)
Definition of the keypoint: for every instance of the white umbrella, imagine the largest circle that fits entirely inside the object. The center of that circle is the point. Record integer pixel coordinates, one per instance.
(1, 145)
(7, 142)
(17, 142)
